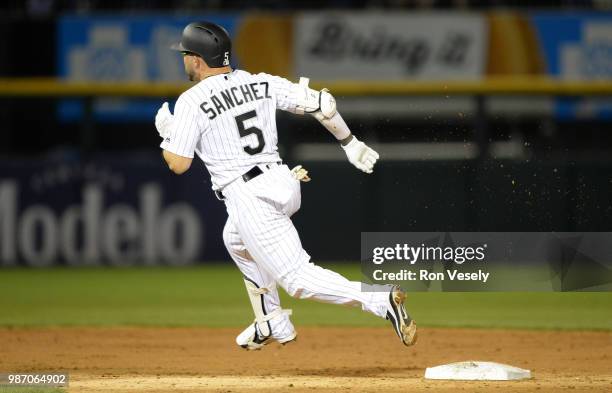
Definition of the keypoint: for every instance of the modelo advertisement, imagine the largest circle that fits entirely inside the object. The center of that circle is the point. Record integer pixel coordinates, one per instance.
(387, 46)
(106, 212)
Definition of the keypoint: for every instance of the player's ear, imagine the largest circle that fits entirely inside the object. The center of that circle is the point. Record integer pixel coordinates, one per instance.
(197, 61)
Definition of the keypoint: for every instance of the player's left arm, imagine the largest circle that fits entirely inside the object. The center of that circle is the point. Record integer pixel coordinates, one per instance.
(299, 98)
(322, 105)
(180, 135)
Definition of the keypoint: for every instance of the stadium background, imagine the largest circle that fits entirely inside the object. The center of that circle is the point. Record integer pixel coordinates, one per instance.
(489, 116)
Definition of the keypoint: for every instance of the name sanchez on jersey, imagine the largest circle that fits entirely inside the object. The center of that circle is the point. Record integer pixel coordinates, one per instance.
(235, 96)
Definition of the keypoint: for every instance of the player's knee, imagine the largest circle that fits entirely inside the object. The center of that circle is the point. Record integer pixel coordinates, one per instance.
(295, 292)
(294, 285)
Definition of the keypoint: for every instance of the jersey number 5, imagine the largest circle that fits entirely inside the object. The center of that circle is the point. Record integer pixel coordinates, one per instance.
(240, 119)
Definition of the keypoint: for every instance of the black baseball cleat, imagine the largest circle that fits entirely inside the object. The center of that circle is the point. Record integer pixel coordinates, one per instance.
(404, 326)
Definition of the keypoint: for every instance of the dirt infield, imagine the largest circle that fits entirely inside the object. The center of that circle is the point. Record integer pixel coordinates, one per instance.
(105, 360)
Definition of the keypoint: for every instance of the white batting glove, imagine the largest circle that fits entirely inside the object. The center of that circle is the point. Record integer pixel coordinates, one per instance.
(300, 174)
(361, 155)
(164, 120)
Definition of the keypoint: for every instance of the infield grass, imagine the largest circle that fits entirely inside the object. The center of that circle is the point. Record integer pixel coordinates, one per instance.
(214, 296)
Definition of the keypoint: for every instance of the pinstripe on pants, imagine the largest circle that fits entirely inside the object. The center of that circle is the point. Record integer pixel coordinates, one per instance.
(259, 221)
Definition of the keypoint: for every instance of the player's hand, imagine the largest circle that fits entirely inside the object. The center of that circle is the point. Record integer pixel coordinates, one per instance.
(164, 120)
(300, 173)
(361, 155)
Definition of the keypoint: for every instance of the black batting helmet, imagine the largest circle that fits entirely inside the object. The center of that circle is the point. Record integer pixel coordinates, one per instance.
(207, 40)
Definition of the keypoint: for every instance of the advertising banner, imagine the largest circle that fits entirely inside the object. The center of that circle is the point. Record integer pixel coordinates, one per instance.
(390, 46)
(577, 46)
(128, 49)
(135, 49)
(125, 48)
(107, 211)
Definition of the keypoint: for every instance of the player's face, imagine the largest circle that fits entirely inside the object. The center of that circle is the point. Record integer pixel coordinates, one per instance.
(190, 62)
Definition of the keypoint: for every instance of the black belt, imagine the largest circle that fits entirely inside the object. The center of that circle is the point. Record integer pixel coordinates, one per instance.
(249, 175)
(252, 173)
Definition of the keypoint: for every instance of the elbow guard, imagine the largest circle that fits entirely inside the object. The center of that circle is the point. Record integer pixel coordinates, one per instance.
(317, 103)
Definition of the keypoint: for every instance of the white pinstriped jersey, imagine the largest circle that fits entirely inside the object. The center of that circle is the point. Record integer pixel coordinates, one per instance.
(229, 121)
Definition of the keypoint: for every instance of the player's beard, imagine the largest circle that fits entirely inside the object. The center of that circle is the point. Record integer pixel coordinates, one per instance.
(191, 75)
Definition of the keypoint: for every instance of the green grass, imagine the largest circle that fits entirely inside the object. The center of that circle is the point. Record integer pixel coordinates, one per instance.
(215, 296)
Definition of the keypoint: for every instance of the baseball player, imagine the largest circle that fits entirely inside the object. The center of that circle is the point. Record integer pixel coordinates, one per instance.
(227, 118)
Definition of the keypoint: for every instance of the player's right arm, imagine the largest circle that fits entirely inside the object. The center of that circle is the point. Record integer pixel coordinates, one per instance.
(176, 163)
(301, 99)
(180, 133)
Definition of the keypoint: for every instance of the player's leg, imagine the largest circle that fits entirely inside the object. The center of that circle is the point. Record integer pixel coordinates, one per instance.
(258, 210)
(263, 294)
(291, 267)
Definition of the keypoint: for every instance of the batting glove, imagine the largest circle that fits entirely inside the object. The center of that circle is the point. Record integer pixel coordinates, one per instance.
(164, 120)
(300, 174)
(360, 155)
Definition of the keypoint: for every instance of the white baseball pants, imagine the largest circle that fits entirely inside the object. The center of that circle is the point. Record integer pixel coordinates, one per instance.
(266, 247)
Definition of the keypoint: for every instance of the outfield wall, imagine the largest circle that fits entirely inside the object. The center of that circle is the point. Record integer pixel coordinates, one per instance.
(120, 211)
